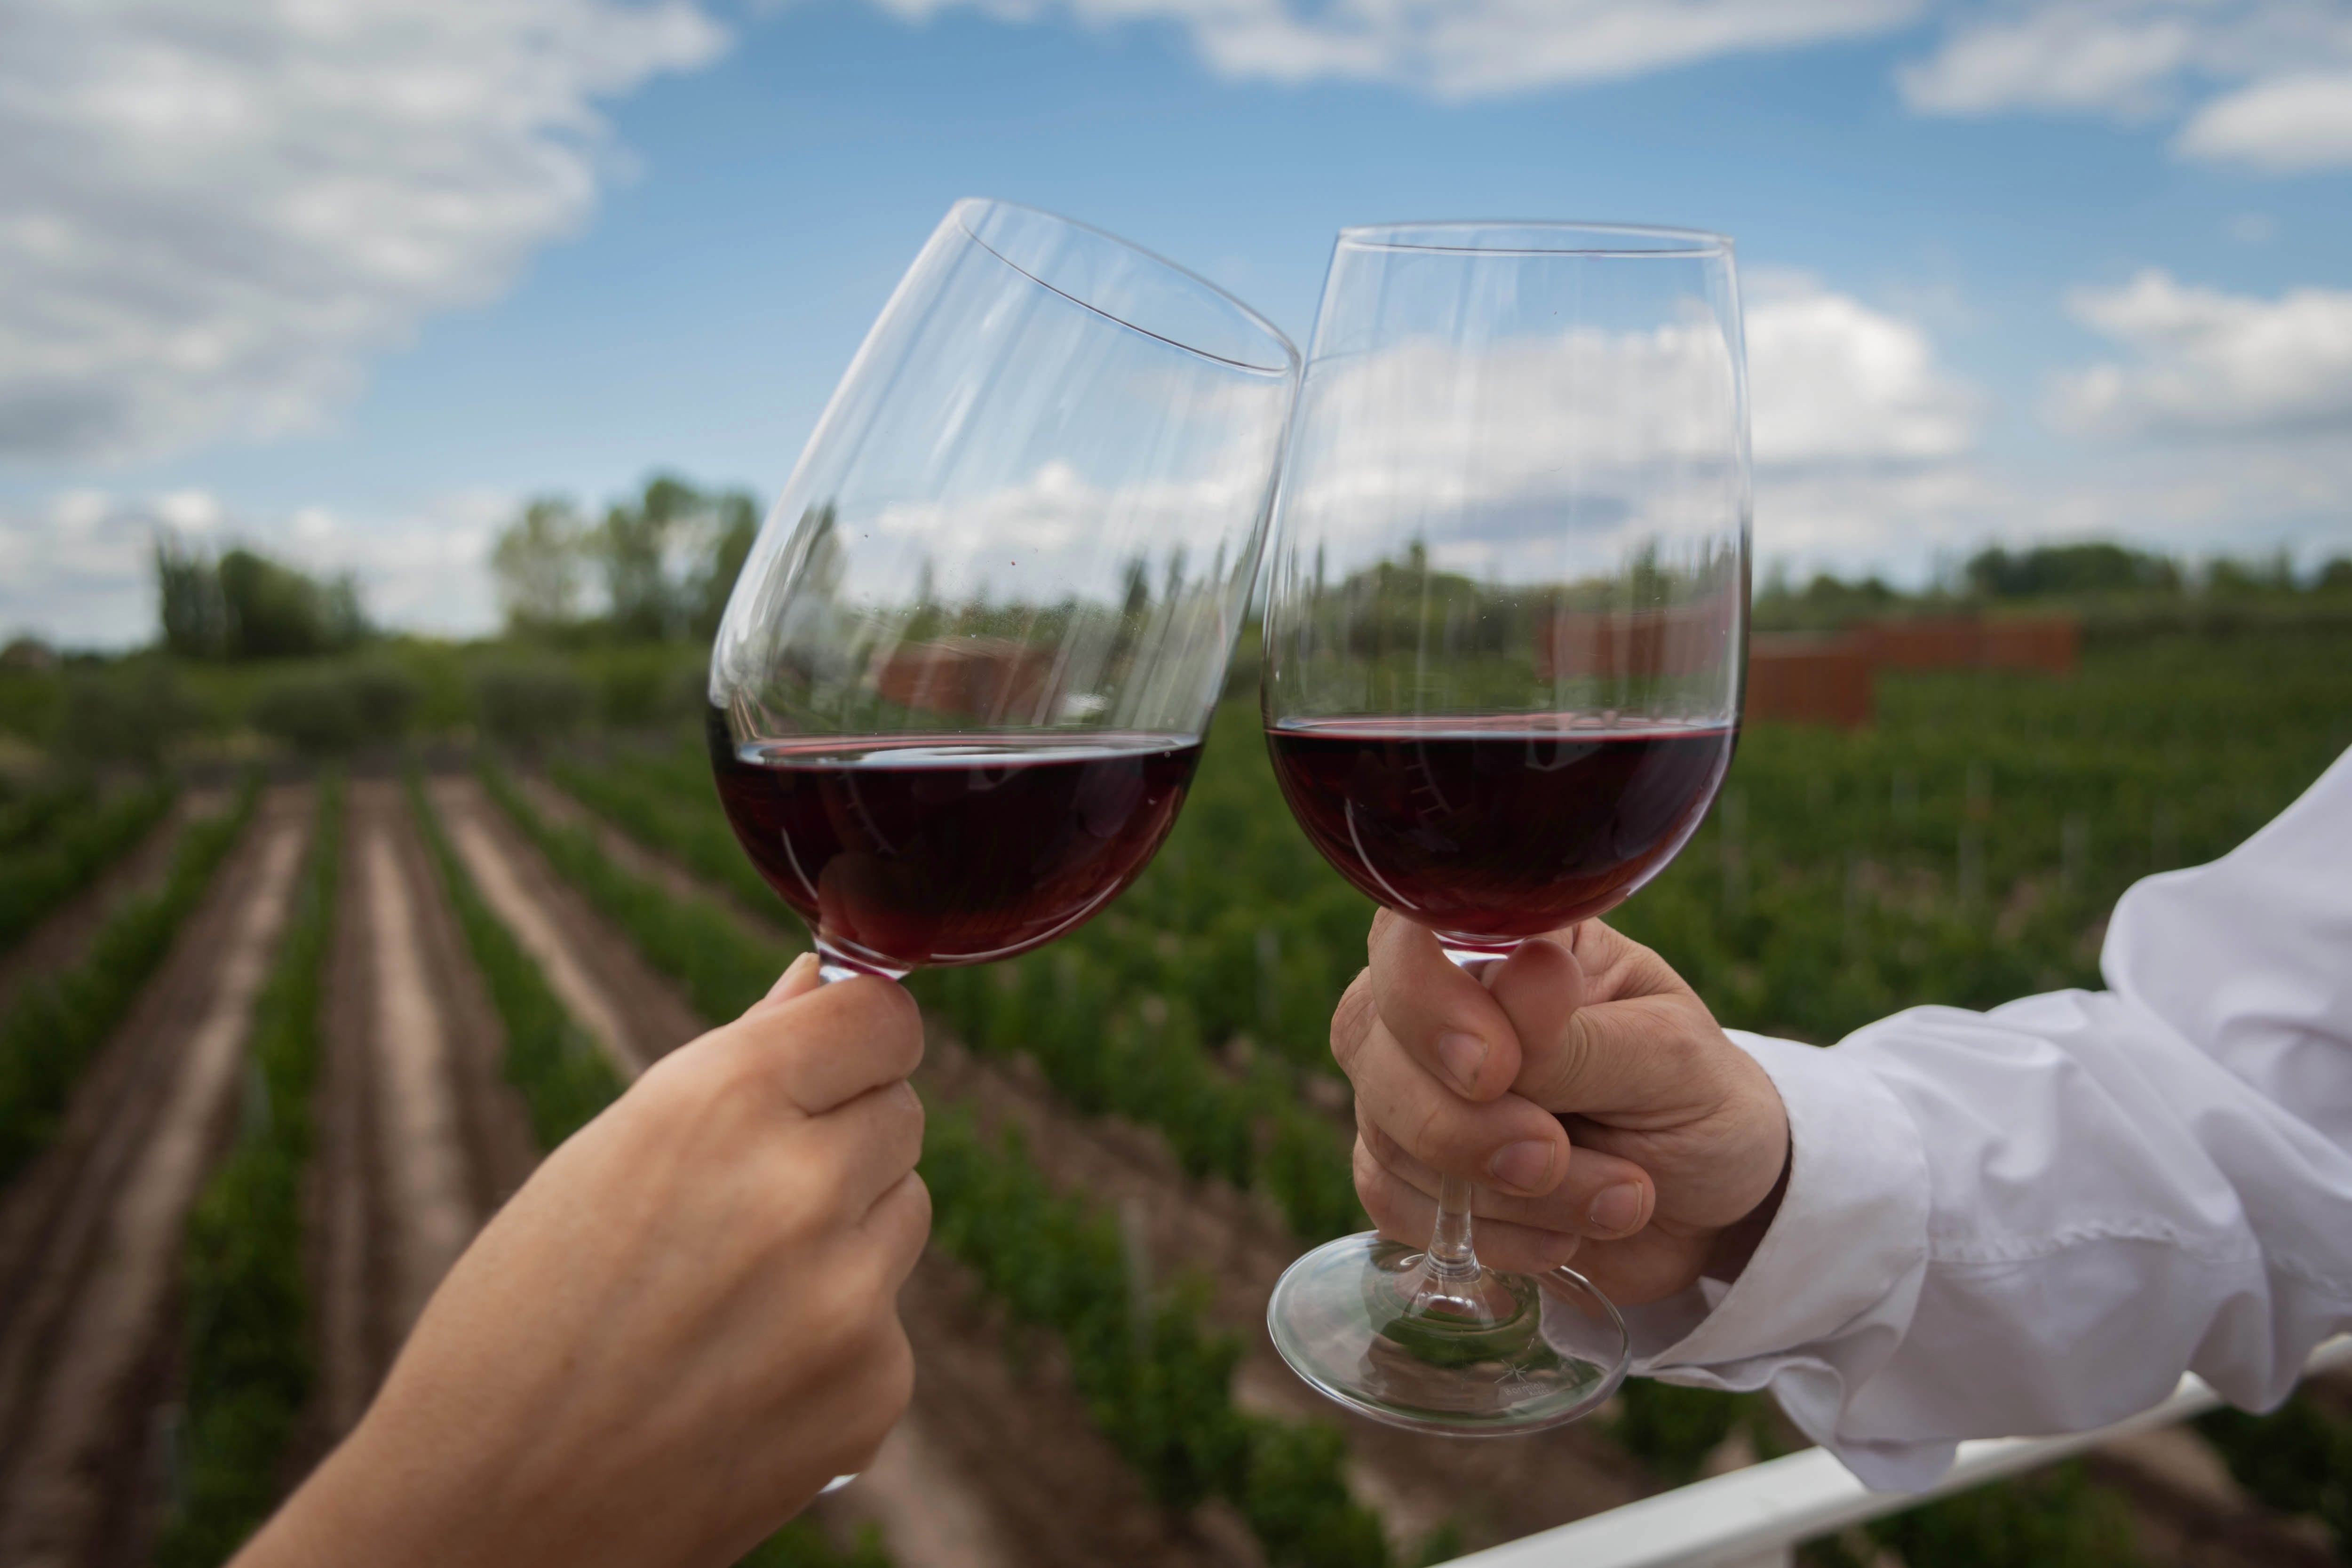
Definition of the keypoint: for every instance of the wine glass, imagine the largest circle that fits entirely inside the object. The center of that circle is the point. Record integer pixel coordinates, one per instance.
(1504, 641)
(961, 682)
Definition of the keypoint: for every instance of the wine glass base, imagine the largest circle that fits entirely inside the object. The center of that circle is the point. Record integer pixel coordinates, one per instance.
(1345, 1319)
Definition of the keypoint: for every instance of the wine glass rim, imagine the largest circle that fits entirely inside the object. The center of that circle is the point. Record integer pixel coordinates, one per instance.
(1291, 360)
(1539, 236)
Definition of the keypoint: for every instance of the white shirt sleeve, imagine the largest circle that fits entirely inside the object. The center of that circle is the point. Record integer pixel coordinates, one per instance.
(2033, 1220)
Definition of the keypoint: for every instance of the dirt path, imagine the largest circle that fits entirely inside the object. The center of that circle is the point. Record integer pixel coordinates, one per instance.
(85, 1338)
(420, 1138)
(773, 918)
(611, 991)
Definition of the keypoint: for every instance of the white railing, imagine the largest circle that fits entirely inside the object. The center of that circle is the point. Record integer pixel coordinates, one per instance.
(1754, 1518)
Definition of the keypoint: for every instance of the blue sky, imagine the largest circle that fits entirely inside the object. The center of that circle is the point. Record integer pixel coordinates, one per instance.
(352, 296)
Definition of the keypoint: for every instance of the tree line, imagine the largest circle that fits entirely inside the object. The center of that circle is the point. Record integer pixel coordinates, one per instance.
(664, 560)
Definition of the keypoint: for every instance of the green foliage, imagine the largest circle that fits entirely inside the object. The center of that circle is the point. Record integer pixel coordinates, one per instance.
(643, 798)
(2051, 569)
(127, 714)
(1673, 1429)
(539, 564)
(801, 1544)
(1155, 1378)
(2297, 1459)
(1965, 849)
(523, 701)
(55, 1026)
(325, 712)
(724, 968)
(245, 606)
(247, 1307)
(562, 1078)
(29, 811)
(667, 560)
(2048, 1518)
(61, 847)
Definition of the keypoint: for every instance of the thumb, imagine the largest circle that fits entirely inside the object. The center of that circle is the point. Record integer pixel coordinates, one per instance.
(1580, 1054)
(800, 977)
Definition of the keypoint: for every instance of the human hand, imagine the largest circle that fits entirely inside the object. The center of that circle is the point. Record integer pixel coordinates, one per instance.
(1585, 1038)
(679, 1329)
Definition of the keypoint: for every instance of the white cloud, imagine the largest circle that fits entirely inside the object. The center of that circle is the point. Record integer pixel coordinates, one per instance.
(214, 213)
(2283, 70)
(2208, 362)
(1836, 381)
(2282, 125)
(1464, 48)
(76, 569)
(1860, 432)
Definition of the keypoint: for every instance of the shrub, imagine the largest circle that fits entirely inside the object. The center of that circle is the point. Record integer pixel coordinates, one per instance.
(129, 714)
(315, 711)
(523, 702)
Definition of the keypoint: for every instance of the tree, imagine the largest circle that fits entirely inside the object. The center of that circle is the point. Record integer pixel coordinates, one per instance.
(195, 616)
(246, 605)
(738, 527)
(2068, 569)
(539, 561)
(634, 547)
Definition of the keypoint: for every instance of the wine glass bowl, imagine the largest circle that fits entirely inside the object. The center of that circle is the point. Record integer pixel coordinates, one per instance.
(961, 682)
(1505, 642)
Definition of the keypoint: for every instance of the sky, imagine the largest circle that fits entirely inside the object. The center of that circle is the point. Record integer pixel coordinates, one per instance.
(351, 279)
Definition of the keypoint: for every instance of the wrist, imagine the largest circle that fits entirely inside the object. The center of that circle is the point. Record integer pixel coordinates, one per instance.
(1736, 1243)
(364, 1506)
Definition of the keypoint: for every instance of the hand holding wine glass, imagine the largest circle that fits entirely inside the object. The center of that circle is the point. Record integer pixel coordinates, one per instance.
(1583, 1041)
(1503, 652)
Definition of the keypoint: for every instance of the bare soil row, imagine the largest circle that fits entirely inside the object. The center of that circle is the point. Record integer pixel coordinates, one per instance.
(89, 1235)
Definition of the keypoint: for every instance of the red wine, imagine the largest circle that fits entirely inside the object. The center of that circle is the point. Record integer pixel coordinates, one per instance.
(909, 850)
(1493, 830)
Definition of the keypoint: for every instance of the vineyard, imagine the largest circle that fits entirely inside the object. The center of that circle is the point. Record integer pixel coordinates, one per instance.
(271, 1049)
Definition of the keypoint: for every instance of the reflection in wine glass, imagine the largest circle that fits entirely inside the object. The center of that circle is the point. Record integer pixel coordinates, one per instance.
(1504, 642)
(960, 685)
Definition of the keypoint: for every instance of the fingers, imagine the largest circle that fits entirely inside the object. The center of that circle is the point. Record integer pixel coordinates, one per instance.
(899, 1224)
(1441, 1012)
(1604, 1196)
(1404, 1213)
(852, 1155)
(800, 977)
(1510, 1142)
(1606, 1029)
(829, 1044)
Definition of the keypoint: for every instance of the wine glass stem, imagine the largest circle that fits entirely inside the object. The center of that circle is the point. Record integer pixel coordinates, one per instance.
(1451, 1256)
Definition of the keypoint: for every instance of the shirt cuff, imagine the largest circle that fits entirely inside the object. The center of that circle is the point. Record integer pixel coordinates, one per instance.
(1852, 1227)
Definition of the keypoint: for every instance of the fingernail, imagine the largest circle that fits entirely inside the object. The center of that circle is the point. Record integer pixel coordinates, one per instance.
(1525, 1166)
(1463, 1055)
(794, 971)
(1618, 1208)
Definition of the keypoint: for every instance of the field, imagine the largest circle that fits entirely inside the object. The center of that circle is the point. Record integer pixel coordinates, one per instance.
(270, 1052)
